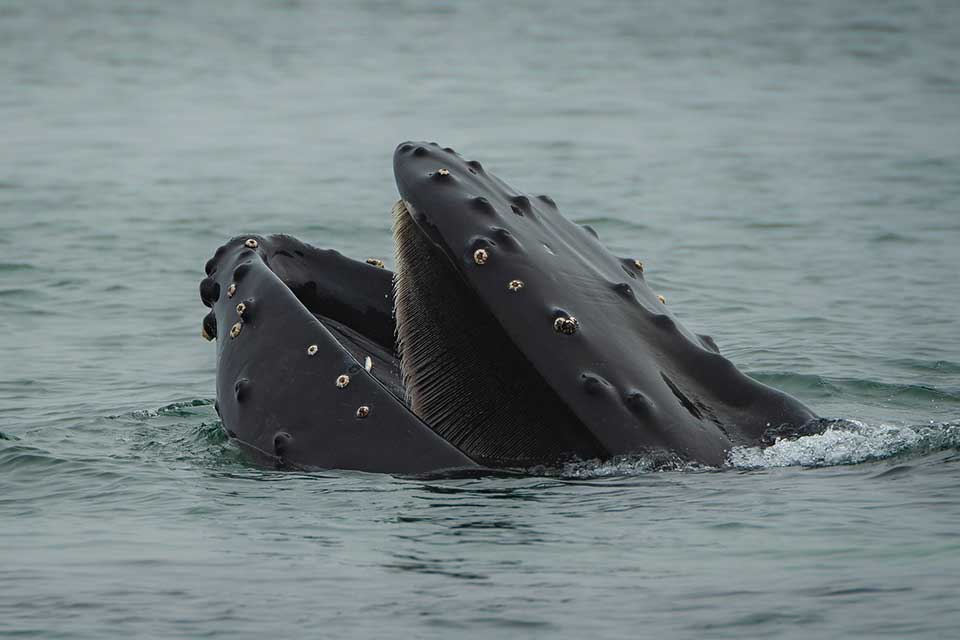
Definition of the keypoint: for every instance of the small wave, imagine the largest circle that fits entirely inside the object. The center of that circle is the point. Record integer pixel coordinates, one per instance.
(846, 443)
(186, 433)
(24, 462)
(815, 386)
(870, 26)
(15, 266)
(176, 409)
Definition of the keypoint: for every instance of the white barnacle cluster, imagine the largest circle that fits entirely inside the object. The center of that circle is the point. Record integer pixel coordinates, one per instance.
(566, 325)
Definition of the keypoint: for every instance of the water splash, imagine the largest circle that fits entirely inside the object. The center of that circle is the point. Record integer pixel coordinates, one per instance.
(842, 442)
(848, 442)
(622, 466)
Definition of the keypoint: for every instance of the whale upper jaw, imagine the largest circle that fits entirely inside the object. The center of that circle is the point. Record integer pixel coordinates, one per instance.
(536, 313)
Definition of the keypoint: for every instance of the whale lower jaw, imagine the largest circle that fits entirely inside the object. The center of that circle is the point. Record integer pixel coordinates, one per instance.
(462, 374)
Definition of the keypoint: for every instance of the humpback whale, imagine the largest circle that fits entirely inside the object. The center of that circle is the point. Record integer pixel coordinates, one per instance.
(508, 337)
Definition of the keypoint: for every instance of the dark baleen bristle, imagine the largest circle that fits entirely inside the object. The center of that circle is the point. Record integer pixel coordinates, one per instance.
(462, 374)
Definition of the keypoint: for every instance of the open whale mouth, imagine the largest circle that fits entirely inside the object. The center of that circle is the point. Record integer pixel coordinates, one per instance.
(522, 341)
(462, 373)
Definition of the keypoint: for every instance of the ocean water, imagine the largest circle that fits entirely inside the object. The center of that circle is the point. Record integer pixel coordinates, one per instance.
(788, 172)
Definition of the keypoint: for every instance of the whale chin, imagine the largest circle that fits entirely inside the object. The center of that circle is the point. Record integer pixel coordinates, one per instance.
(462, 374)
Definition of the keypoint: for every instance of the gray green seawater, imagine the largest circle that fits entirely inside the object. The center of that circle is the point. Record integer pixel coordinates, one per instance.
(789, 173)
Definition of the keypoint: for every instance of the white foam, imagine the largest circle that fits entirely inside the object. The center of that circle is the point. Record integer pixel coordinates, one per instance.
(847, 442)
(626, 466)
(850, 444)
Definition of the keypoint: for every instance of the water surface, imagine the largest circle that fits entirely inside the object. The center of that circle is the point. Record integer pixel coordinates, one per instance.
(787, 173)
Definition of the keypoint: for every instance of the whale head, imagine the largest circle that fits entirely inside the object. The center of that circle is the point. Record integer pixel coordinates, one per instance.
(523, 339)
